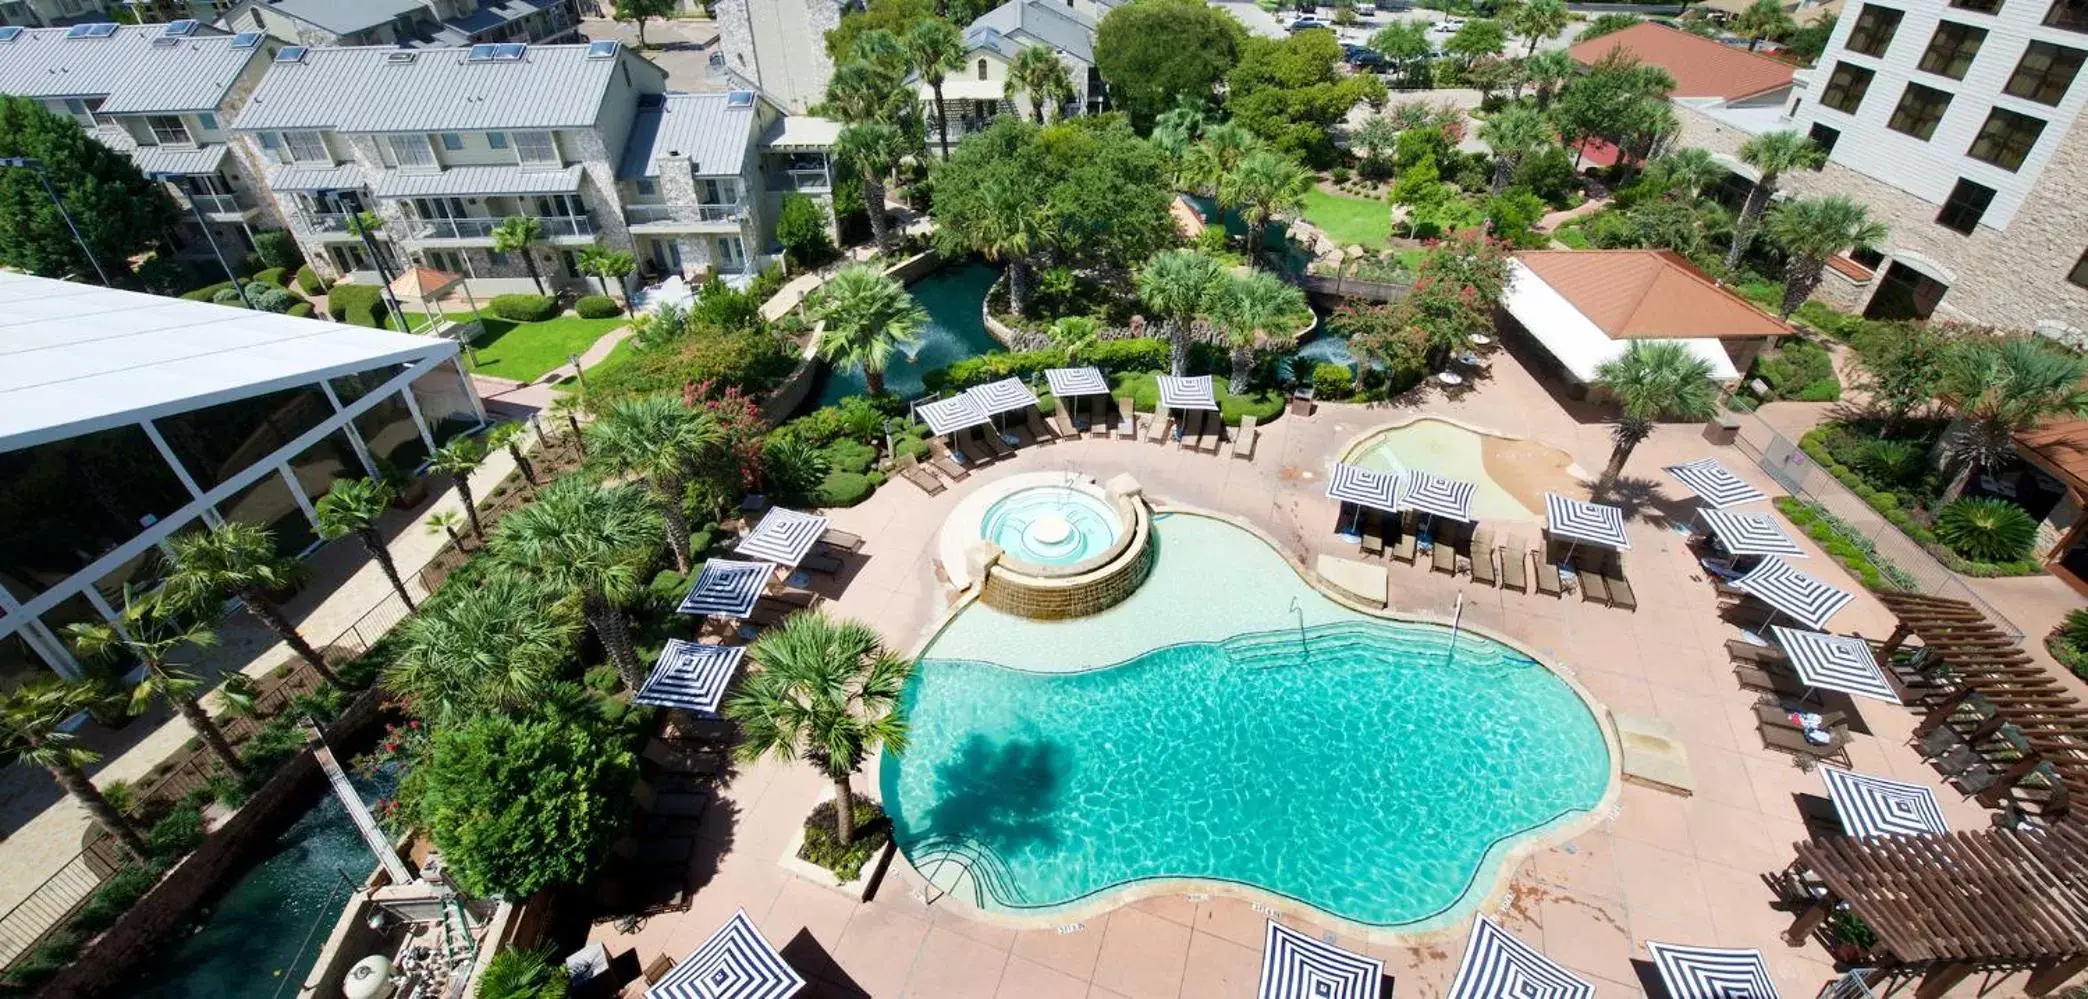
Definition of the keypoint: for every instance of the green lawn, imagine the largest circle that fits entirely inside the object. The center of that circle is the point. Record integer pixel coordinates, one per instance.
(1358, 221)
(1572, 236)
(523, 352)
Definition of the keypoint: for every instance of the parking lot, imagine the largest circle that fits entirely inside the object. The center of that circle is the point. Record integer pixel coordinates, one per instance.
(1268, 25)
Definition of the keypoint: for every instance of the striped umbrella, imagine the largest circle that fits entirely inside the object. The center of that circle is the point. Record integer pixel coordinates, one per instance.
(1578, 520)
(727, 588)
(1298, 966)
(1750, 533)
(1364, 487)
(1835, 662)
(1811, 602)
(1715, 483)
(1874, 806)
(1066, 382)
(1187, 393)
(950, 415)
(1712, 972)
(1004, 396)
(784, 536)
(735, 963)
(691, 676)
(1498, 966)
(1434, 494)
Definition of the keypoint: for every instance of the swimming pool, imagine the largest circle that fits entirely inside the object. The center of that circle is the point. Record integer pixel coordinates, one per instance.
(955, 330)
(1511, 474)
(1227, 723)
(1051, 525)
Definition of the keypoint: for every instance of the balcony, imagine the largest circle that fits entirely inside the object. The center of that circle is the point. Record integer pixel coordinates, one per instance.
(555, 228)
(685, 215)
(330, 223)
(219, 205)
(809, 181)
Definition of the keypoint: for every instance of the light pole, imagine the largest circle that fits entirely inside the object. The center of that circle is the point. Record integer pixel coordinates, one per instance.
(196, 208)
(44, 180)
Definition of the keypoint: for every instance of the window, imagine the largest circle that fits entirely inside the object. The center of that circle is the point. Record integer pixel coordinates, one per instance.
(1978, 6)
(410, 151)
(982, 69)
(536, 148)
(167, 130)
(496, 140)
(2069, 14)
(1965, 206)
(83, 110)
(1920, 108)
(207, 121)
(1951, 50)
(1874, 30)
(2045, 73)
(306, 147)
(71, 501)
(2079, 274)
(452, 141)
(1846, 87)
(1825, 138)
(2006, 138)
(647, 187)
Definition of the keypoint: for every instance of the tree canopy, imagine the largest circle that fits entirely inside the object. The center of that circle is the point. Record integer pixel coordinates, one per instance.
(1089, 189)
(1620, 101)
(120, 213)
(1154, 54)
(1289, 93)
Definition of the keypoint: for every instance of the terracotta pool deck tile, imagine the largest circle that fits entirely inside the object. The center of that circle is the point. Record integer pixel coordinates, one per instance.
(1776, 781)
(878, 948)
(801, 905)
(1651, 817)
(1722, 776)
(1175, 909)
(1221, 969)
(1663, 891)
(978, 931)
(1589, 935)
(1699, 719)
(1068, 953)
(1142, 956)
(1023, 979)
(1232, 919)
(952, 966)
(1617, 691)
(1743, 911)
(1740, 837)
(1587, 865)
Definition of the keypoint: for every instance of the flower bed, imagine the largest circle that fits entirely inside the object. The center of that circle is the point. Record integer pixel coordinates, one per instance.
(1846, 545)
(1902, 499)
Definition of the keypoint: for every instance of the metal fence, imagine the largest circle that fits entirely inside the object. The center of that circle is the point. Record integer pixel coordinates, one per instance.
(1855, 520)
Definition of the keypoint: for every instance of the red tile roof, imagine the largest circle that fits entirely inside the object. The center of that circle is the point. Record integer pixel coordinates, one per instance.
(1639, 294)
(1701, 67)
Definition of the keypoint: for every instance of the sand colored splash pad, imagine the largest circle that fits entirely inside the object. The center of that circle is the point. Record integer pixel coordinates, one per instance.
(1512, 474)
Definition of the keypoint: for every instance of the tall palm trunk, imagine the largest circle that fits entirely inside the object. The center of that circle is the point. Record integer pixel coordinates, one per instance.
(75, 782)
(514, 449)
(671, 491)
(1018, 284)
(1178, 348)
(874, 200)
(1801, 276)
(1504, 171)
(1629, 432)
(844, 810)
(1242, 368)
(212, 736)
(530, 262)
(272, 616)
(1750, 217)
(942, 117)
(373, 543)
(873, 379)
(478, 530)
(615, 632)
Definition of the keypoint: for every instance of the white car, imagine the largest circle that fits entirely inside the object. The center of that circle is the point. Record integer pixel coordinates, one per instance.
(1366, 10)
(1308, 23)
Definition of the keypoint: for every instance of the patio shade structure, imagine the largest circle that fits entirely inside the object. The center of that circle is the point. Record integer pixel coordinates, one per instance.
(727, 588)
(1715, 484)
(947, 416)
(1805, 599)
(691, 676)
(426, 284)
(1876, 806)
(1836, 662)
(783, 536)
(1580, 521)
(1005, 396)
(1194, 392)
(1299, 966)
(1749, 533)
(1068, 382)
(735, 963)
(1364, 487)
(1436, 495)
(1498, 966)
(1711, 972)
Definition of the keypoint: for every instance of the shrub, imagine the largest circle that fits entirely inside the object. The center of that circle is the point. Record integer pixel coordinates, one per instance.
(309, 281)
(844, 489)
(796, 470)
(524, 308)
(301, 310)
(872, 830)
(857, 417)
(1145, 394)
(1332, 381)
(850, 456)
(1893, 463)
(176, 834)
(1796, 368)
(1339, 175)
(277, 249)
(207, 293)
(597, 307)
(1111, 356)
(270, 298)
(357, 304)
(1986, 529)
(270, 275)
(752, 361)
(122, 890)
(1826, 390)
(523, 974)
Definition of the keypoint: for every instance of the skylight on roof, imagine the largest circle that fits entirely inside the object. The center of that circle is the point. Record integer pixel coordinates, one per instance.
(503, 52)
(99, 29)
(603, 49)
(292, 53)
(401, 56)
(178, 29)
(247, 40)
(740, 99)
(10, 33)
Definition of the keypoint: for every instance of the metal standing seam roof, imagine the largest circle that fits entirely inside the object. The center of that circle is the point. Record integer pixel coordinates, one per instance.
(179, 159)
(464, 181)
(1042, 21)
(345, 176)
(705, 129)
(344, 17)
(136, 76)
(76, 358)
(371, 89)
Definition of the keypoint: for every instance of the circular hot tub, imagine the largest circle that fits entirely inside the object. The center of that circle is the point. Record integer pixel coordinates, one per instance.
(1051, 525)
(1049, 544)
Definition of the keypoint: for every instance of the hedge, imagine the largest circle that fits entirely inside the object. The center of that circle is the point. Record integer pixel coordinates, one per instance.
(1144, 390)
(302, 310)
(1888, 505)
(271, 275)
(357, 304)
(597, 307)
(309, 281)
(207, 293)
(524, 308)
(846, 488)
(1855, 553)
(1111, 356)
(1799, 370)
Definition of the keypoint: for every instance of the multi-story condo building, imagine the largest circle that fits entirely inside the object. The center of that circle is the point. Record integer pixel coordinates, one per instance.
(165, 95)
(974, 96)
(778, 47)
(410, 23)
(51, 13)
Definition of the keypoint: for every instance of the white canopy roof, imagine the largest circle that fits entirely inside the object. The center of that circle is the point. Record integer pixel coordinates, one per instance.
(1574, 339)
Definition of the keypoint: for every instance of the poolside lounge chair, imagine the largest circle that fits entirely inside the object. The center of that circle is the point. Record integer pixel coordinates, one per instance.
(1620, 592)
(1064, 419)
(973, 449)
(911, 471)
(1126, 419)
(1403, 547)
(993, 441)
(1214, 433)
(1192, 427)
(658, 968)
(1593, 588)
(1482, 549)
(1769, 681)
(825, 565)
(940, 457)
(1243, 442)
(1443, 556)
(1548, 582)
(1781, 734)
(1371, 525)
(1099, 418)
(1040, 431)
(837, 540)
(1156, 426)
(1515, 560)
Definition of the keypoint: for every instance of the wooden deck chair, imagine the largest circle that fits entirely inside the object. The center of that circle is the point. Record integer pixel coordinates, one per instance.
(1192, 425)
(1243, 441)
(1403, 546)
(1620, 591)
(973, 450)
(1126, 421)
(1548, 578)
(939, 456)
(1442, 557)
(1592, 588)
(911, 471)
(1482, 550)
(1515, 563)
(838, 540)
(1372, 526)
(1213, 436)
(991, 437)
(1040, 430)
(1156, 427)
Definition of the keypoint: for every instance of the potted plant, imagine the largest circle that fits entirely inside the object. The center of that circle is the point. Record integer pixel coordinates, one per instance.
(1850, 939)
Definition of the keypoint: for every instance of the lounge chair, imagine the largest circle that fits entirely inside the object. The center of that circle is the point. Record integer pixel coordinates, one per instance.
(1793, 741)
(1443, 556)
(1768, 681)
(1620, 592)
(1372, 527)
(973, 449)
(911, 471)
(1593, 588)
(1515, 561)
(1127, 419)
(1482, 550)
(837, 540)
(1403, 549)
(1548, 582)
(1064, 419)
(1156, 426)
(992, 438)
(1040, 431)
(1748, 652)
(825, 565)
(1192, 426)
(769, 611)
(1213, 436)
(1243, 442)
(1098, 416)
(940, 457)
(657, 968)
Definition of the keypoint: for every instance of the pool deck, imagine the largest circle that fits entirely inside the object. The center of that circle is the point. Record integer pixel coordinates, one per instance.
(1663, 867)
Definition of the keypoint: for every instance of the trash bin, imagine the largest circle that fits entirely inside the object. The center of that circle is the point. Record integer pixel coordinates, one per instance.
(1301, 402)
(1724, 430)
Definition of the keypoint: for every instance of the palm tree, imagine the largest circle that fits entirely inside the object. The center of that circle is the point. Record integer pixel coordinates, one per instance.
(826, 691)
(874, 149)
(1651, 380)
(1037, 72)
(446, 522)
(493, 647)
(509, 435)
(1688, 170)
(1772, 154)
(1512, 133)
(1538, 20)
(1010, 232)
(604, 264)
(867, 313)
(1763, 19)
(239, 560)
(458, 459)
(936, 49)
(32, 720)
(148, 631)
(1214, 162)
(1180, 286)
(1546, 72)
(353, 507)
(1997, 390)
(1810, 231)
(591, 539)
(1074, 334)
(1269, 184)
(1252, 310)
(657, 438)
(1174, 134)
(520, 234)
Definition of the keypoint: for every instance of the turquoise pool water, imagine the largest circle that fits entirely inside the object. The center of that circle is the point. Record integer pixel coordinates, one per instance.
(1050, 525)
(952, 298)
(1228, 723)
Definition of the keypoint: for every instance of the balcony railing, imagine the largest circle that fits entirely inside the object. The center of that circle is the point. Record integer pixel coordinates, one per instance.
(327, 221)
(217, 204)
(482, 228)
(685, 214)
(801, 180)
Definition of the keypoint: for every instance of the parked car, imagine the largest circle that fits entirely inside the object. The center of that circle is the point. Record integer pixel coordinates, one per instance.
(1309, 24)
(1366, 10)
(1362, 57)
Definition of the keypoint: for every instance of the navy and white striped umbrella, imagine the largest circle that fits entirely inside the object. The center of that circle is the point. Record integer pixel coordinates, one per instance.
(1498, 966)
(735, 963)
(1364, 486)
(727, 588)
(784, 536)
(1811, 602)
(691, 676)
(1874, 806)
(950, 415)
(1299, 966)
(1715, 483)
(1712, 972)
(1436, 495)
(1750, 533)
(1835, 662)
(1076, 381)
(1578, 520)
(1004, 396)
(1193, 392)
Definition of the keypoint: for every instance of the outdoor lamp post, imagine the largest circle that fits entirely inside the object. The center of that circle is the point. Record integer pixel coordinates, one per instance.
(44, 180)
(202, 223)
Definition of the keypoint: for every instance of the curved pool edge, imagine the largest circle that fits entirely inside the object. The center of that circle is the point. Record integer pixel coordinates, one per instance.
(1505, 857)
(1355, 444)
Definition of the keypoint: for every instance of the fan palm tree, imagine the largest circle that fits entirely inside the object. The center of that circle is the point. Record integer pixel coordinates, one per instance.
(147, 632)
(1215, 160)
(520, 234)
(1548, 71)
(1689, 170)
(239, 560)
(1038, 73)
(1512, 133)
(1180, 286)
(32, 728)
(1539, 20)
(603, 264)
(1269, 184)
(446, 522)
(1074, 334)
(1763, 19)
(826, 691)
(874, 149)
(495, 646)
(867, 313)
(1651, 380)
(1998, 389)
(1174, 134)
(458, 459)
(353, 506)
(1010, 233)
(1772, 154)
(1252, 310)
(1811, 230)
(509, 435)
(657, 438)
(593, 540)
(936, 49)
